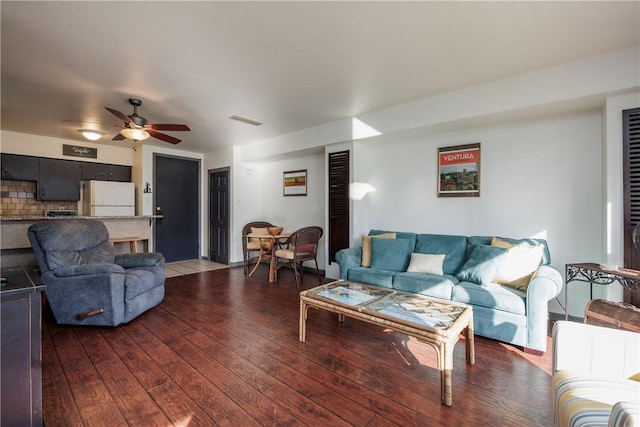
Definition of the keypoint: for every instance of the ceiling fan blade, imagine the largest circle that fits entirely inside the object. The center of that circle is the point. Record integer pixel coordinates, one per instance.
(119, 115)
(168, 127)
(162, 136)
(118, 137)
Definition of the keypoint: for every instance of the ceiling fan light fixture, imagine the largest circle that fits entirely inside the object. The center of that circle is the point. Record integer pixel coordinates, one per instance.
(91, 135)
(135, 134)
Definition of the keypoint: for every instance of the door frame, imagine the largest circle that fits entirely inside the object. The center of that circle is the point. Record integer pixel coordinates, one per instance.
(199, 207)
(229, 218)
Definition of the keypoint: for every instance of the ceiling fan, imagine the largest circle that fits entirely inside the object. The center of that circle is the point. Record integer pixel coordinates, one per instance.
(137, 129)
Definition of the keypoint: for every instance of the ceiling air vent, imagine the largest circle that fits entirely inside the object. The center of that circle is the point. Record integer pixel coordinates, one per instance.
(245, 120)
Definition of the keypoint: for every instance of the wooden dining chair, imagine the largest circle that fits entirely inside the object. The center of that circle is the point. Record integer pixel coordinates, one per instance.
(301, 246)
(250, 247)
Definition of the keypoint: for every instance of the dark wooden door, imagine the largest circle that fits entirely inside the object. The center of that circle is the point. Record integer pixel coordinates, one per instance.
(177, 190)
(219, 216)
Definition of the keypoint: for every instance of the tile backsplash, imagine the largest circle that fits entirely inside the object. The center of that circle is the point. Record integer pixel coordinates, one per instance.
(17, 198)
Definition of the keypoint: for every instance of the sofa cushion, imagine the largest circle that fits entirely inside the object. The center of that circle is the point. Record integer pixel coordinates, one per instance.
(101, 254)
(140, 280)
(399, 235)
(370, 276)
(492, 296)
(84, 269)
(426, 263)
(454, 247)
(521, 262)
(253, 246)
(390, 254)
(486, 240)
(482, 265)
(432, 285)
(366, 247)
(266, 244)
(258, 230)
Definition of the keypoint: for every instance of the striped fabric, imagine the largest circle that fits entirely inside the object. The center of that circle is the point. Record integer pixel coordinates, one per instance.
(586, 400)
(625, 414)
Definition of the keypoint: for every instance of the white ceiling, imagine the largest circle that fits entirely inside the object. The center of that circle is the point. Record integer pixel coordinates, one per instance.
(291, 65)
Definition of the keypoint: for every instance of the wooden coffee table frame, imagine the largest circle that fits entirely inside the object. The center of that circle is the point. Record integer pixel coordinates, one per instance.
(443, 340)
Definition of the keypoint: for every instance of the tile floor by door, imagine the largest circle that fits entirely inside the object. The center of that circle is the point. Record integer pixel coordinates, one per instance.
(179, 268)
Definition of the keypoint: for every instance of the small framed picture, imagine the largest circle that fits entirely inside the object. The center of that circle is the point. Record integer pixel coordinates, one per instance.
(295, 183)
(459, 171)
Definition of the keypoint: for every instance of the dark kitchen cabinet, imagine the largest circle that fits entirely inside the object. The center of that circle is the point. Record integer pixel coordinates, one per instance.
(94, 171)
(21, 347)
(59, 180)
(119, 173)
(24, 168)
(105, 172)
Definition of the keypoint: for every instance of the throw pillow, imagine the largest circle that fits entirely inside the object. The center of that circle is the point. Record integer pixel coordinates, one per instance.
(426, 263)
(521, 262)
(266, 244)
(366, 247)
(390, 254)
(482, 264)
(258, 230)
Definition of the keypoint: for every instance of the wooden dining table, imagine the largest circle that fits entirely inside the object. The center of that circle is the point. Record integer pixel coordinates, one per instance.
(270, 252)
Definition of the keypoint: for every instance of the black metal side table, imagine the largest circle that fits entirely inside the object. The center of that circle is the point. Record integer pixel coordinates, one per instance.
(594, 274)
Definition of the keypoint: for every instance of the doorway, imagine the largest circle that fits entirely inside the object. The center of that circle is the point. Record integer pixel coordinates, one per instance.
(219, 215)
(177, 195)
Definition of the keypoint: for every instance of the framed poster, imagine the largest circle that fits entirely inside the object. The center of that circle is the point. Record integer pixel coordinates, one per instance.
(459, 171)
(295, 183)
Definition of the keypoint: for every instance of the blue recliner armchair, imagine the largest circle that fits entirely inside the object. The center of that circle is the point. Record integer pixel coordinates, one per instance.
(87, 283)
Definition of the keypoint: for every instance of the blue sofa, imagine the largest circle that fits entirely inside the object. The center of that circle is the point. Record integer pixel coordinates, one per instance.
(468, 265)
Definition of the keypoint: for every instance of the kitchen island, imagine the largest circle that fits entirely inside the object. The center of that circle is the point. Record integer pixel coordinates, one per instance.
(15, 248)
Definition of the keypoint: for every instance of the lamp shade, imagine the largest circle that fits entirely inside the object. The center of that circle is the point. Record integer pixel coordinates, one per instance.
(91, 135)
(135, 134)
(357, 190)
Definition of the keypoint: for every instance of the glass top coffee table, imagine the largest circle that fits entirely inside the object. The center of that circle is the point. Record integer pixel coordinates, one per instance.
(433, 321)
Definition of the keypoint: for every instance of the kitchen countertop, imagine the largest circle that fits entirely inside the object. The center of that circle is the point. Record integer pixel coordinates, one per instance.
(43, 217)
(13, 229)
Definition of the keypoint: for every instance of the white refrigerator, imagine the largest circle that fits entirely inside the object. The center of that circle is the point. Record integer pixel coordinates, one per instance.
(109, 198)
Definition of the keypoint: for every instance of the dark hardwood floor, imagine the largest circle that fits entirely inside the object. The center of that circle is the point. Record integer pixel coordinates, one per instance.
(223, 349)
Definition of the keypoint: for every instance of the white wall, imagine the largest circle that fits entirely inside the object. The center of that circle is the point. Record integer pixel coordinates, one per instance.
(613, 197)
(44, 146)
(549, 152)
(257, 194)
(293, 212)
(539, 178)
